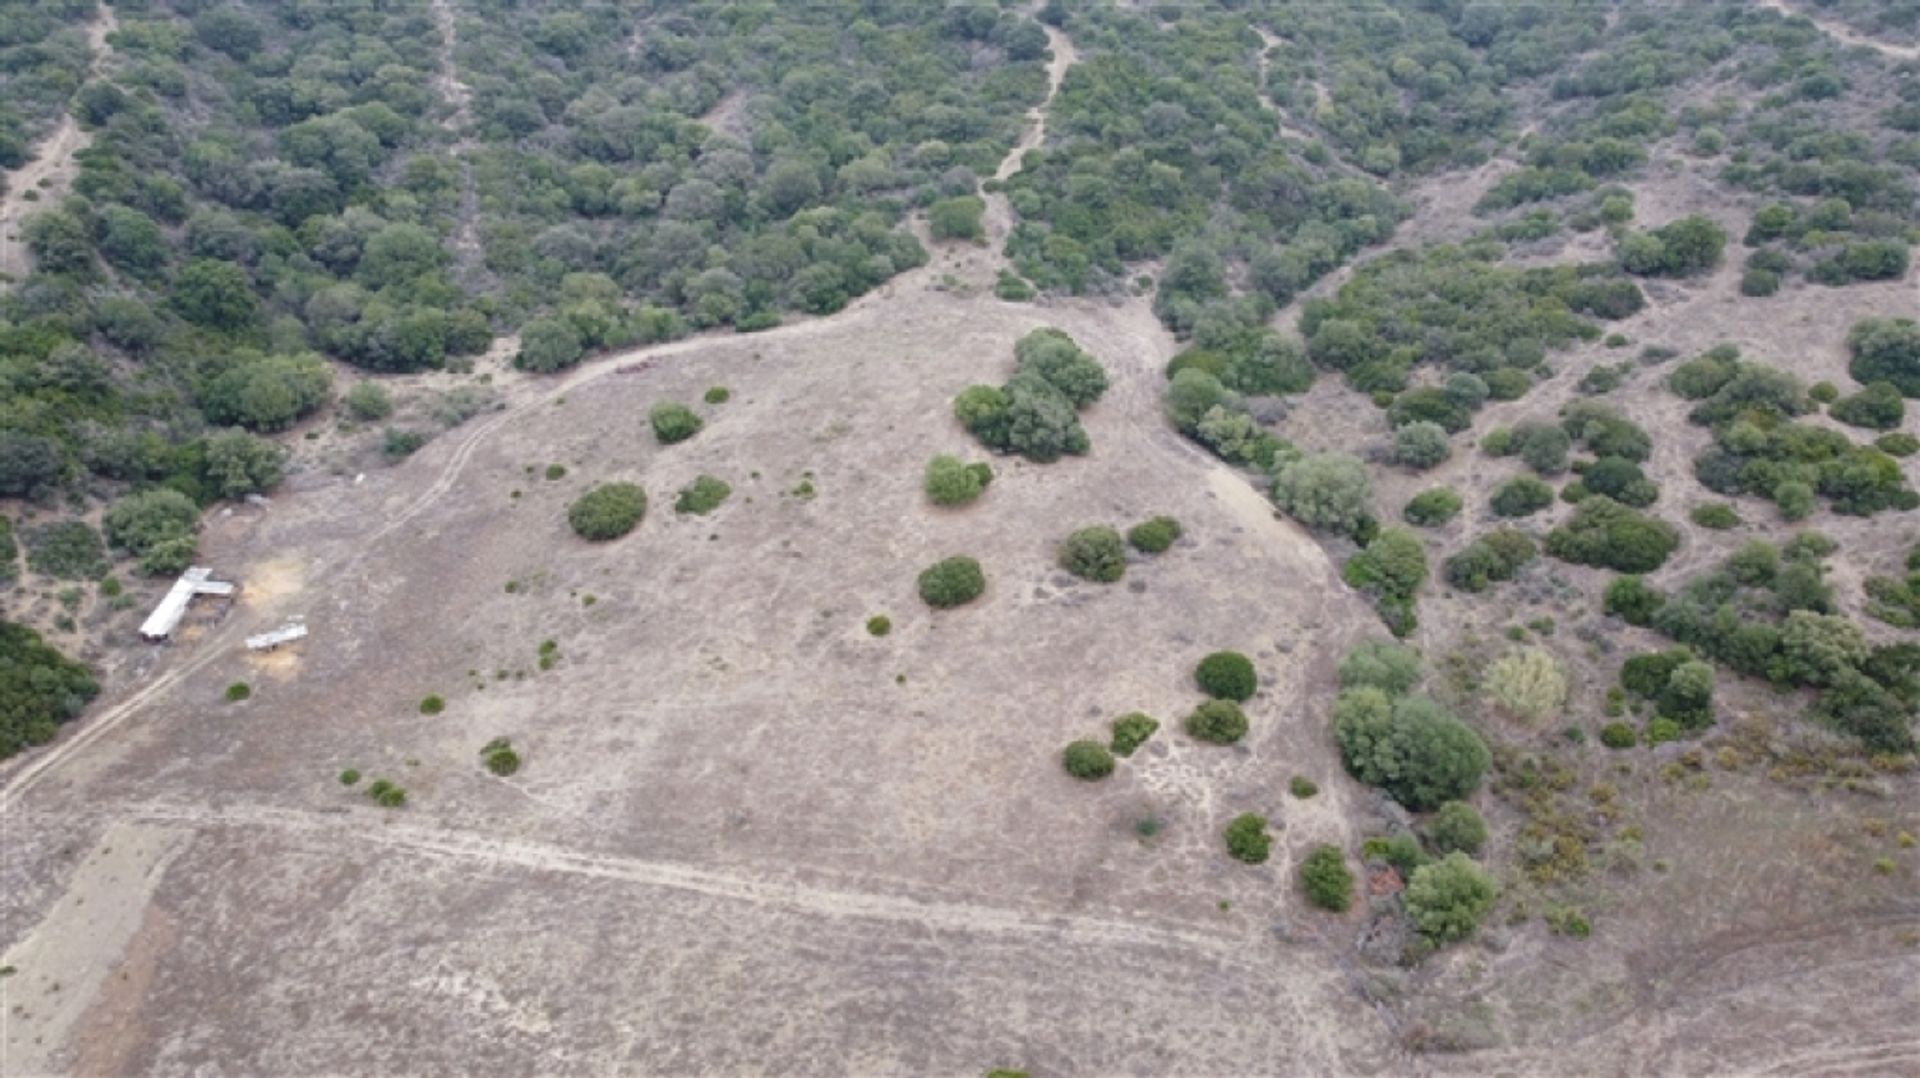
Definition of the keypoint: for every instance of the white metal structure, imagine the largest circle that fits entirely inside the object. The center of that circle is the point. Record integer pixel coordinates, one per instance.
(173, 606)
(294, 629)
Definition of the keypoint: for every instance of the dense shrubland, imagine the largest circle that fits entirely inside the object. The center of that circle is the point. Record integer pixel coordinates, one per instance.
(1036, 413)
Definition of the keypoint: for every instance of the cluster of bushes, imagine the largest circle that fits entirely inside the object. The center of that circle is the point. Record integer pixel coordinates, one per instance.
(1205, 410)
(500, 757)
(1408, 745)
(1679, 688)
(155, 526)
(1325, 878)
(1457, 307)
(1768, 612)
(1840, 246)
(1155, 535)
(1606, 534)
(1684, 248)
(1036, 413)
(1493, 558)
(1390, 569)
(1886, 350)
(1759, 449)
(1896, 600)
(39, 689)
(1326, 491)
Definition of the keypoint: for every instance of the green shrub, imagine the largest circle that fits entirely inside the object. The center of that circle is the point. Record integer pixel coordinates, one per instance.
(1457, 826)
(1683, 248)
(1088, 760)
(1527, 683)
(718, 395)
(67, 550)
(673, 422)
(1718, 516)
(368, 402)
(1392, 668)
(1329, 491)
(949, 480)
(349, 777)
(1421, 445)
(1606, 534)
(432, 704)
(1097, 554)
(1302, 787)
(607, 511)
(1879, 407)
(1011, 287)
(1326, 880)
(499, 757)
(1402, 851)
(952, 582)
(879, 625)
(1633, 600)
(1447, 898)
(956, 218)
(1218, 721)
(1897, 444)
(1886, 350)
(1412, 748)
(1618, 735)
(556, 472)
(1154, 536)
(1493, 558)
(1432, 508)
(1824, 392)
(1521, 496)
(702, 496)
(1132, 730)
(1226, 675)
(398, 443)
(238, 691)
(1247, 838)
(155, 526)
(1662, 730)
(386, 794)
(39, 689)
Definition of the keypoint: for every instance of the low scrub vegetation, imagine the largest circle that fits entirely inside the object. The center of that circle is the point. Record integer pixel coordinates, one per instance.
(607, 511)
(1097, 554)
(952, 582)
(1247, 838)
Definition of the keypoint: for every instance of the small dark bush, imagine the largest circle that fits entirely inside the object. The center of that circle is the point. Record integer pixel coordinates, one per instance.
(1088, 760)
(556, 472)
(238, 691)
(349, 777)
(1457, 827)
(718, 395)
(386, 794)
(1302, 787)
(673, 422)
(702, 496)
(1718, 516)
(1226, 675)
(1132, 730)
(879, 625)
(1326, 880)
(608, 511)
(1520, 496)
(432, 704)
(1219, 721)
(1154, 536)
(1097, 554)
(1247, 838)
(1618, 735)
(1432, 508)
(952, 582)
(499, 757)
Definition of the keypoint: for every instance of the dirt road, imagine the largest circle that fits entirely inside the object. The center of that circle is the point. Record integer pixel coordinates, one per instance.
(51, 171)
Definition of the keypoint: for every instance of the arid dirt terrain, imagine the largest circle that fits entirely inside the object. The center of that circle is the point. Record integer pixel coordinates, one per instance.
(750, 837)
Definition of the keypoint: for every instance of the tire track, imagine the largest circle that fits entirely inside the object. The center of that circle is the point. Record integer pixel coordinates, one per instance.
(52, 162)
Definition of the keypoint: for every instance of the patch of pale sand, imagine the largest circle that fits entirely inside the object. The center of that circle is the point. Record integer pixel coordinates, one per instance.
(266, 583)
(62, 967)
(281, 664)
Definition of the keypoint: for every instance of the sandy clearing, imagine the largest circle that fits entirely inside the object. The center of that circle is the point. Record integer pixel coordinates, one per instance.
(63, 963)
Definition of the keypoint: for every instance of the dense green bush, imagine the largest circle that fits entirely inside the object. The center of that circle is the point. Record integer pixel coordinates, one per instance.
(1543, 446)
(956, 218)
(1490, 559)
(607, 511)
(1053, 357)
(1155, 535)
(1432, 508)
(1618, 735)
(39, 689)
(1457, 826)
(1390, 568)
(1520, 496)
(1219, 721)
(1447, 899)
(952, 582)
(1878, 407)
(1392, 668)
(1411, 747)
(368, 402)
(1633, 600)
(1683, 248)
(1226, 675)
(702, 496)
(951, 481)
(1247, 838)
(1096, 553)
(1302, 787)
(1421, 445)
(879, 625)
(1088, 760)
(1329, 491)
(1132, 730)
(432, 704)
(499, 757)
(1325, 878)
(155, 526)
(673, 422)
(1606, 534)
(1886, 350)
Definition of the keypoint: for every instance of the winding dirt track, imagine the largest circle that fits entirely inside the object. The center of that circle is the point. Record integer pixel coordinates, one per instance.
(1844, 34)
(52, 164)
